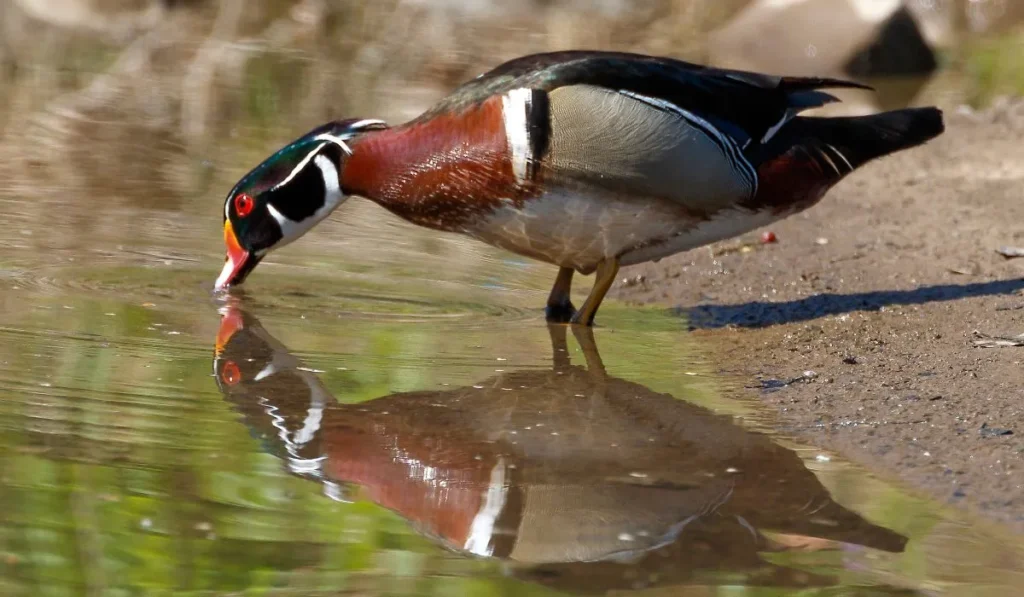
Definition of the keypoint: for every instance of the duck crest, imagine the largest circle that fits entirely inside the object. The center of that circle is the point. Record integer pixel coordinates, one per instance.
(443, 171)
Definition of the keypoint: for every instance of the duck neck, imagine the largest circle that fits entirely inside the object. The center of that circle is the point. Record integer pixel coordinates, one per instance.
(436, 172)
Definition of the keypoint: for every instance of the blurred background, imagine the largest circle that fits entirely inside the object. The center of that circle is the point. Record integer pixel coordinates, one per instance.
(123, 123)
(169, 86)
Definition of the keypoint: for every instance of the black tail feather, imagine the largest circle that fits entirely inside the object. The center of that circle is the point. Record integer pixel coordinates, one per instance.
(805, 83)
(860, 139)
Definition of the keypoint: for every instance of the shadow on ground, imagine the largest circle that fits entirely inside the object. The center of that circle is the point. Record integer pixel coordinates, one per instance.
(760, 313)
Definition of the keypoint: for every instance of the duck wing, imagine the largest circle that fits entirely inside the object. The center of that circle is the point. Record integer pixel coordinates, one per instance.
(746, 106)
(640, 125)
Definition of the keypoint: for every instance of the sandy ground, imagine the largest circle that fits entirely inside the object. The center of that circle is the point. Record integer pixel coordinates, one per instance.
(878, 293)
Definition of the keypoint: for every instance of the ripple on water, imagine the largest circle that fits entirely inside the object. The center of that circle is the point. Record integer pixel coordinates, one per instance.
(180, 285)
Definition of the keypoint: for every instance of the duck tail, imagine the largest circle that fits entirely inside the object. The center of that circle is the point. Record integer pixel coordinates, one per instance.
(809, 155)
(859, 139)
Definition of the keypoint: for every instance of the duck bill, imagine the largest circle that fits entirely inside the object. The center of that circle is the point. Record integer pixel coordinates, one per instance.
(238, 263)
(231, 322)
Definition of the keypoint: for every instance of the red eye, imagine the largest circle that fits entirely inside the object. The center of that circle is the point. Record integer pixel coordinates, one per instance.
(230, 374)
(243, 204)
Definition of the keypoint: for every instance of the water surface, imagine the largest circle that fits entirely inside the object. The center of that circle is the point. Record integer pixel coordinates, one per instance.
(373, 432)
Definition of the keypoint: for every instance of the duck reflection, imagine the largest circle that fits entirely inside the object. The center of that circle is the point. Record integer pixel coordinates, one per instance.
(574, 477)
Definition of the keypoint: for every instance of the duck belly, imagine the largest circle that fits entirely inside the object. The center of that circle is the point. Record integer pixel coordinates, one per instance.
(579, 230)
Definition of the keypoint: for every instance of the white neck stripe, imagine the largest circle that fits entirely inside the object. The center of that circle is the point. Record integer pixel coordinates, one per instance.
(282, 221)
(515, 108)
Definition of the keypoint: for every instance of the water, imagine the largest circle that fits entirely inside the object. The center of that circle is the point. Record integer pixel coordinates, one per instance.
(373, 433)
(383, 410)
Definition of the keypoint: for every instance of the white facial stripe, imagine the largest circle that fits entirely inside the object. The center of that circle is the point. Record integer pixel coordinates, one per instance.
(515, 107)
(295, 171)
(333, 197)
(336, 140)
(367, 123)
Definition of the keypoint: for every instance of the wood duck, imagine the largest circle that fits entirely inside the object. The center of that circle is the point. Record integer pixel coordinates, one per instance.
(569, 469)
(586, 160)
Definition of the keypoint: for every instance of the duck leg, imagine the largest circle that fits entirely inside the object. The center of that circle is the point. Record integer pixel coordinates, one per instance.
(585, 338)
(559, 348)
(606, 271)
(560, 309)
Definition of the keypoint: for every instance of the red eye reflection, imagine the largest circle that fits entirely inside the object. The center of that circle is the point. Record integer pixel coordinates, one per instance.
(230, 374)
(243, 204)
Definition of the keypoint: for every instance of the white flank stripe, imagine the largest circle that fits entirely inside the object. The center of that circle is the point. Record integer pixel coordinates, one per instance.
(828, 158)
(482, 528)
(515, 106)
(728, 146)
(849, 166)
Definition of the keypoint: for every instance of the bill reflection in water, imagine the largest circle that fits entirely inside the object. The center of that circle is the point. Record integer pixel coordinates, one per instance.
(575, 478)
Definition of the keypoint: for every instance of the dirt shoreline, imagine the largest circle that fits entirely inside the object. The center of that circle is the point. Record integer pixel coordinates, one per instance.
(879, 291)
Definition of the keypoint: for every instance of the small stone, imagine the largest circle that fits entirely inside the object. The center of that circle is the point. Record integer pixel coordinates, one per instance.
(821, 241)
(987, 431)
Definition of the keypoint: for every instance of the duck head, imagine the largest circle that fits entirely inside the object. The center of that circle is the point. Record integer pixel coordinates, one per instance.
(282, 198)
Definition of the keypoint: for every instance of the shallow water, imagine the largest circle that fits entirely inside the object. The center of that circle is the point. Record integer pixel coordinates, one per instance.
(335, 431)
(383, 410)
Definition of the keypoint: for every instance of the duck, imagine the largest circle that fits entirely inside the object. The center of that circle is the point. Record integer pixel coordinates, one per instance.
(657, 487)
(586, 160)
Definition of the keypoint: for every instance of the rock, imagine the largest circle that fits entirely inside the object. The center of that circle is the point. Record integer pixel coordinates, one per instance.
(899, 49)
(799, 37)
(859, 38)
(987, 431)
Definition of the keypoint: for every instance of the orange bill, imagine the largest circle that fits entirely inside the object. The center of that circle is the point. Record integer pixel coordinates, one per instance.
(230, 323)
(235, 262)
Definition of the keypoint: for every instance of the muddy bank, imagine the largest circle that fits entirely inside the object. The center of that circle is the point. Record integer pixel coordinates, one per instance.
(880, 292)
